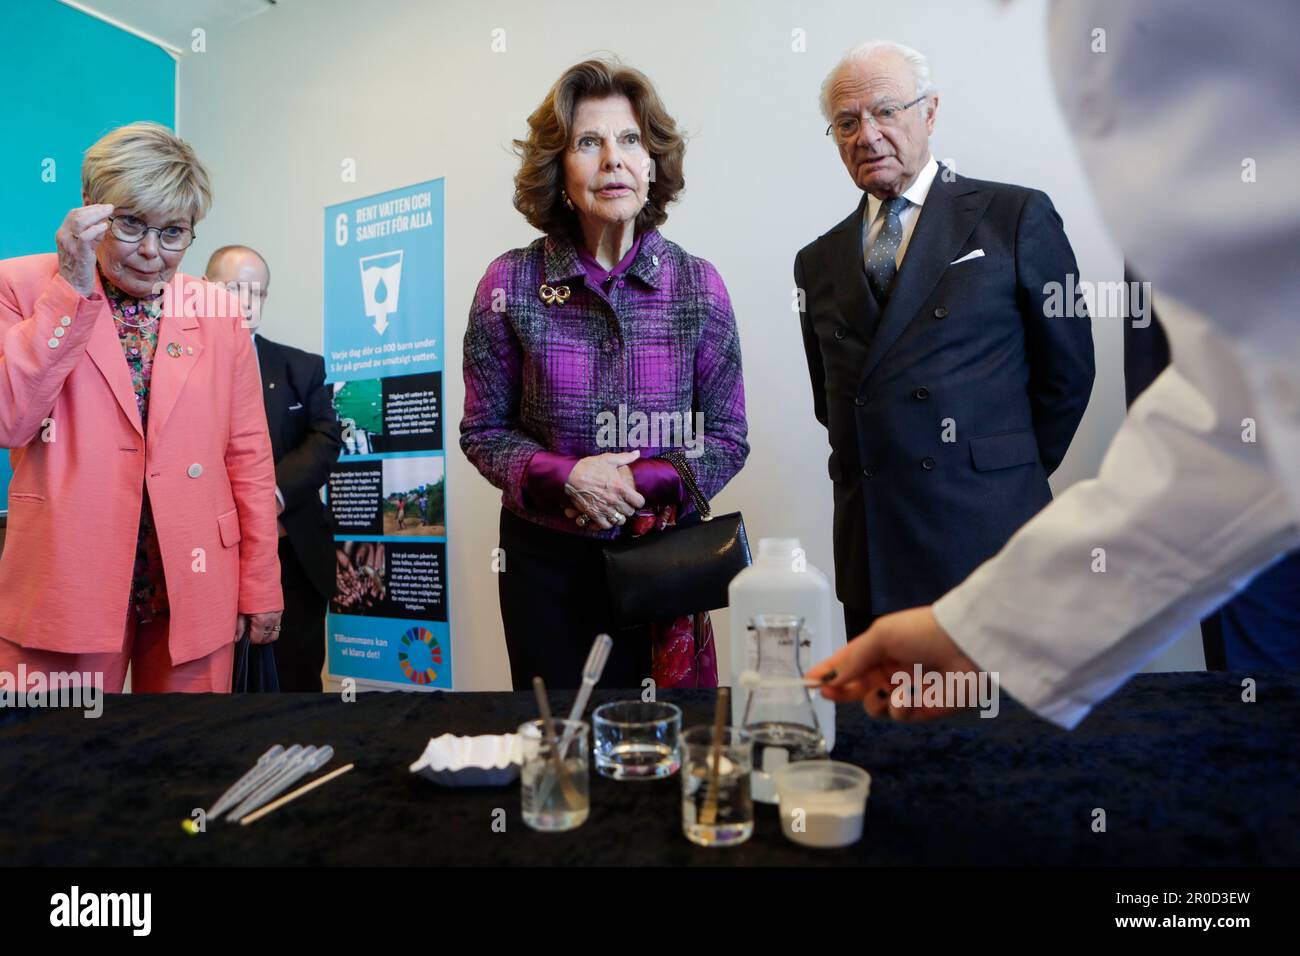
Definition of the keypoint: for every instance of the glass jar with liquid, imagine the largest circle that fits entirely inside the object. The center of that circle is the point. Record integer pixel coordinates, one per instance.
(778, 709)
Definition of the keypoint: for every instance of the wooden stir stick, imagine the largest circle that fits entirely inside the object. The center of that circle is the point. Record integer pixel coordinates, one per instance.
(709, 814)
(572, 797)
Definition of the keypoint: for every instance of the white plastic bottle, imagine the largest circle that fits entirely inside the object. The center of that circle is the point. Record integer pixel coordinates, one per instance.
(781, 581)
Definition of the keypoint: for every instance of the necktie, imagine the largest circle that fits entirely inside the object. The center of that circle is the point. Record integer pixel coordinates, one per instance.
(880, 257)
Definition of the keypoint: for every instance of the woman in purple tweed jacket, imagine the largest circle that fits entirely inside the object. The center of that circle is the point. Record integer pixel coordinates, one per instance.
(589, 353)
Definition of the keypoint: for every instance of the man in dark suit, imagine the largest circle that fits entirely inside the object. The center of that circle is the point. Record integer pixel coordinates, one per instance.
(306, 439)
(950, 360)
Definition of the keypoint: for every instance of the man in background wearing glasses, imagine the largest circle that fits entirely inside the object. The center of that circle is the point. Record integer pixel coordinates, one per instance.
(948, 364)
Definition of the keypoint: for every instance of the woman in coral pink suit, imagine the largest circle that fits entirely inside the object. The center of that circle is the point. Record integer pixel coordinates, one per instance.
(142, 512)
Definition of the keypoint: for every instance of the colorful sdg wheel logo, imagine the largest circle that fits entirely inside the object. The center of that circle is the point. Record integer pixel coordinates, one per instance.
(418, 655)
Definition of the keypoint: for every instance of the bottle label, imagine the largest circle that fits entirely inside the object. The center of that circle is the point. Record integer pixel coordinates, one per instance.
(781, 666)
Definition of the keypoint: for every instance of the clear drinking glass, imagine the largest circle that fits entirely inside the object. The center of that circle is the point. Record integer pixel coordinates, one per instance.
(554, 792)
(717, 810)
(637, 740)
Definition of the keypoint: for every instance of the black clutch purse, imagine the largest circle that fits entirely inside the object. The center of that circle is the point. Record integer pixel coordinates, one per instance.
(254, 671)
(681, 570)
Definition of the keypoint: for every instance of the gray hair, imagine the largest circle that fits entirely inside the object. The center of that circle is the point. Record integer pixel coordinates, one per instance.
(920, 67)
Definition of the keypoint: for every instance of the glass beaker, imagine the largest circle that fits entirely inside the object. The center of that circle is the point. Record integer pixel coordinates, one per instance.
(717, 808)
(554, 790)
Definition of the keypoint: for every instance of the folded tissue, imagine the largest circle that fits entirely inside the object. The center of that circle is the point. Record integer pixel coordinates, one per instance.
(483, 761)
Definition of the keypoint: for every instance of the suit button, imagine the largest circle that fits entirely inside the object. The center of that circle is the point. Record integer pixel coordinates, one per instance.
(65, 321)
(60, 332)
(927, 464)
(868, 472)
(859, 401)
(921, 394)
(839, 333)
(53, 343)
(194, 470)
(940, 312)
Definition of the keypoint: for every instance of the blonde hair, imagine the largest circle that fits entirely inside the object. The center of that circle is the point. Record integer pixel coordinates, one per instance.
(146, 166)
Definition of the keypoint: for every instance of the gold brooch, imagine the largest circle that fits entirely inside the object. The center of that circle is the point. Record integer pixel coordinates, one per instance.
(554, 295)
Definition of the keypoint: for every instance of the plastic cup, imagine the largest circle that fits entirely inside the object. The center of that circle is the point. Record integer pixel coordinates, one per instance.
(822, 802)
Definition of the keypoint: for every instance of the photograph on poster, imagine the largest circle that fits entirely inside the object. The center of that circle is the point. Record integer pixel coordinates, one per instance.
(390, 580)
(413, 499)
(383, 415)
(360, 576)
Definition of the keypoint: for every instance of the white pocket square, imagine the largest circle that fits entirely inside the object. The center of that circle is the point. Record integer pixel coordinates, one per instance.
(295, 407)
(974, 254)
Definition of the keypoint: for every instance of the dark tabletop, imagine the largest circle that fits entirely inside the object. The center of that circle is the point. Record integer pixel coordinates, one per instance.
(1186, 772)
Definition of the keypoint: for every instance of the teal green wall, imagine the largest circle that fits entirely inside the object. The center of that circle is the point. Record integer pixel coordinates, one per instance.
(66, 79)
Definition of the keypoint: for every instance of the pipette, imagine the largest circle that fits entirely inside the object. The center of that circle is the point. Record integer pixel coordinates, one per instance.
(309, 761)
(751, 679)
(245, 784)
(591, 671)
(265, 765)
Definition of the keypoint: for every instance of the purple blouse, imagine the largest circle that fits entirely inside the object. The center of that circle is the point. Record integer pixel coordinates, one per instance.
(617, 360)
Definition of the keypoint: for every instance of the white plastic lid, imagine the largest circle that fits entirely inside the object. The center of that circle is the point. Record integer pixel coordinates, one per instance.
(777, 548)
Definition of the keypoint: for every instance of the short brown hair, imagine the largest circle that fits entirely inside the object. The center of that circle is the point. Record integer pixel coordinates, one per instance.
(541, 171)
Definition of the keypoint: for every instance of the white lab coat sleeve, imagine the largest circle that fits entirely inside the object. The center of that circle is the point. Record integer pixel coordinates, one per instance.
(1183, 509)
(1182, 513)
(1193, 168)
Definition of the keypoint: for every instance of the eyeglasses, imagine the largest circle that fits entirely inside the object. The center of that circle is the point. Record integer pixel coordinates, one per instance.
(171, 238)
(846, 128)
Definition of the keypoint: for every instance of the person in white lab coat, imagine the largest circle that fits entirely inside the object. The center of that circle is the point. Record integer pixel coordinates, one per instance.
(1185, 115)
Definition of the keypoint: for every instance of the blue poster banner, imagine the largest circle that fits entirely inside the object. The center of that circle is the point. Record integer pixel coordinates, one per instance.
(383, 284)
(388, 621)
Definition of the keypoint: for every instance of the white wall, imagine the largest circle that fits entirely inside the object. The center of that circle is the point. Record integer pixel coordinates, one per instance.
(412, 91)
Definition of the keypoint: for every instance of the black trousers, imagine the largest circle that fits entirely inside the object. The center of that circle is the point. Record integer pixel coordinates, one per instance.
(554, 601)
(300, 651)
(856, 620)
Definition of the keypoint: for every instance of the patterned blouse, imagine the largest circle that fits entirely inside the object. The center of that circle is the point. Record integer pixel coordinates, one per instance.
(137, 327)
(556, 369)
